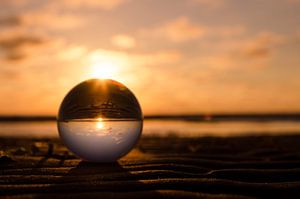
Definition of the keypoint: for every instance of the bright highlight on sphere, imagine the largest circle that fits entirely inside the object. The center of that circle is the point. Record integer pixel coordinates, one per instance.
(99, 123)
(100, 120)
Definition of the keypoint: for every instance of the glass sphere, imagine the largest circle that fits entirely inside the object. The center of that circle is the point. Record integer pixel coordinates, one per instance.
(100, 120)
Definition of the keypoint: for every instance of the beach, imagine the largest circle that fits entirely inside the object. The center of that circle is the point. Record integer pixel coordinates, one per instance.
(149, 99)
(158, 167)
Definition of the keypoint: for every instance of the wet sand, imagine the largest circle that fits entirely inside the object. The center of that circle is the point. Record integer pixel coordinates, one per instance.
(209, 167)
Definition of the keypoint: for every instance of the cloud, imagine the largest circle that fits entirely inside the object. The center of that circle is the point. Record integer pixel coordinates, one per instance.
(123, 41)
(57, 15)
(246, 54)
(69, 53)
(178, 30)
(261, 46)
(14, 47)
(66, 4)
(8, 21)
(53, 15)
(17, 46)
(226, 31)
(104, 4)
(41, 20)
(10, 74)
(19, 41)
(24, 35)
(14, 3)
(52, 20)
(15, 56)
(293, 1)
(158, 58)
(182, 29)
(209, 3)
(295, 38)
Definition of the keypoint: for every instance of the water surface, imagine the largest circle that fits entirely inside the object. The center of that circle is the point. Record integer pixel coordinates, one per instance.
(167, 128)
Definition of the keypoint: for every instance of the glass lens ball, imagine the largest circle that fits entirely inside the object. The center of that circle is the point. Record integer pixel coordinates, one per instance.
(100, 120)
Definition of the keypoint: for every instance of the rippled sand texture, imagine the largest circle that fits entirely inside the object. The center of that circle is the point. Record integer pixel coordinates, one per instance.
(239, 167)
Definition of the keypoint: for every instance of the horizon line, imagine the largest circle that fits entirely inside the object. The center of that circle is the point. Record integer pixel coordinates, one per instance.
(267, 116)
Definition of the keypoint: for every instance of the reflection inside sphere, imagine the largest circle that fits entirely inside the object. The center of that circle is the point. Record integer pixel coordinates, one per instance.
(100, 120)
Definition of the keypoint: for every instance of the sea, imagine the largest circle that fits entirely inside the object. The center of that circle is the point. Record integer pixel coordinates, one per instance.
(167, 127)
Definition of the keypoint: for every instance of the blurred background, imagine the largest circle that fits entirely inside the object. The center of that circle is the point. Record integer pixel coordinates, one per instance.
(203, 58)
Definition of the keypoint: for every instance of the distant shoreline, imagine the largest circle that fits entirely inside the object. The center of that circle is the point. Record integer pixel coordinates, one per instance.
(263, 117)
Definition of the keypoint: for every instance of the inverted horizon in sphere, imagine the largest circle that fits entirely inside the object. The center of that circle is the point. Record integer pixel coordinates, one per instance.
(100, 120)
(100, 98)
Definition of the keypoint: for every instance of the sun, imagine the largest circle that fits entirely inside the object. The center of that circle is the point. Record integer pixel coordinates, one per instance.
(104, 70)
(106, 65)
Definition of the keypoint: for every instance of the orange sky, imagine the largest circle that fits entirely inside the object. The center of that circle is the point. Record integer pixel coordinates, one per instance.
(177, 56)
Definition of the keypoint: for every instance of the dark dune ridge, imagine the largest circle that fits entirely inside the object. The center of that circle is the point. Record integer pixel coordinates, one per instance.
(210, 167)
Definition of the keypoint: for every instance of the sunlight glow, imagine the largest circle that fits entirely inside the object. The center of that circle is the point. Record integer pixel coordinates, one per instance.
(99, 123)
(106, 65)
(105, 70)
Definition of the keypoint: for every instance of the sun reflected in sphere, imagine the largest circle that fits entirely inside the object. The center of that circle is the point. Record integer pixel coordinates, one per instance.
(100, 120)
(99, 123)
